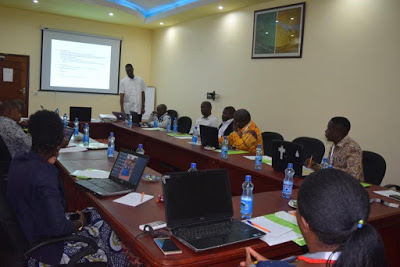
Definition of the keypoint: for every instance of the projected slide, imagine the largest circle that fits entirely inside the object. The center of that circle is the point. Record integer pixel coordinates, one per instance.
(75, 64)
(79, 62)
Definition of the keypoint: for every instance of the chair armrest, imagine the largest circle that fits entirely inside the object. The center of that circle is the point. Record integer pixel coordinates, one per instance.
(393, 185)
(91, 248)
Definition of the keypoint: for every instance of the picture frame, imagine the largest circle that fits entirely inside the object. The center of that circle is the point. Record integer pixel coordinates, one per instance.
(278, 32)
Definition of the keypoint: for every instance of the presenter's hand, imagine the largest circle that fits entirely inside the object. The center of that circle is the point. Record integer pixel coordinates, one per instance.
(251, 252)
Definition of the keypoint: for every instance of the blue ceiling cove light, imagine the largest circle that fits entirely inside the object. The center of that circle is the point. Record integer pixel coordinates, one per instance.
(154, 11)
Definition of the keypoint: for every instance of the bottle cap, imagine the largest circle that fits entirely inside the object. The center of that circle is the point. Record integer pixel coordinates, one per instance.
(140, 146)
(86, 125)
(259, 146)
(112, 134)
(290, 165)
(248, 178)
(225, 137)
(325, 160)
(193, 165)
(76, 119)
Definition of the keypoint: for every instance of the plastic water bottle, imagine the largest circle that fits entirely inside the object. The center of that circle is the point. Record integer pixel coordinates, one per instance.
(76, 127)
(65, 120)
(192, 167)
(258, 158)
(288, 181)
(86, 135)
(168, 129)
(175, 126)
(195, 135)
(57, 111)
(111, 145)
(140, 149)
(129, 120)
(224, 148)
(246, 201)
(155, 125)
(324, 164)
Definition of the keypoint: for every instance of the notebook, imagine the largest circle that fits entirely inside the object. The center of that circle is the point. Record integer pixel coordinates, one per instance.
(124, 176)
(284, 152)
(201, 201)
(82, 113)
(209, 136)
(121, 116)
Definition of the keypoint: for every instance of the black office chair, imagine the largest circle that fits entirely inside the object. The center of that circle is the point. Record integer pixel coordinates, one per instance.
(5, 159)
(173, 114)
(374, 166)
(267, 141)
(311, 147)
(14, 246)
(184, 124)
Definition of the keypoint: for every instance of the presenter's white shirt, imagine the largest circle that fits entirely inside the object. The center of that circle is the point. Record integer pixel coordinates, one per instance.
(132, 88)
(224, 125)
(209, 121)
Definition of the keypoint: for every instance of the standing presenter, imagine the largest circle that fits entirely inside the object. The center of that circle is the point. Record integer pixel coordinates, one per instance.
(132, 95)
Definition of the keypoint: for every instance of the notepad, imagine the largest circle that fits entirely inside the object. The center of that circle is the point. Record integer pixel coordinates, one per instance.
(133, 199)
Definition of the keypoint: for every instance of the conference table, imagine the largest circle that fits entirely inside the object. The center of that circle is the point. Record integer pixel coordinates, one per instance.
(125, 220)
(169, 154)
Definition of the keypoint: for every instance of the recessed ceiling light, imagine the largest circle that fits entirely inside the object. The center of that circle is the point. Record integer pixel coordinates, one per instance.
(161, 23)
(291, 18)
(111, 14)
(35, 1)
(220, 7)
(276, 21)
(266, 32)
(292, 35)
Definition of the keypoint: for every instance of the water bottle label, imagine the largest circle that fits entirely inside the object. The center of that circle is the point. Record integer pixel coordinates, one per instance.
(194, 139)
(110, 151)
(287, 189)
(246, 206)
(175, 130)
(224, 153)
(258, 160)
(76, 132)
(86, 138)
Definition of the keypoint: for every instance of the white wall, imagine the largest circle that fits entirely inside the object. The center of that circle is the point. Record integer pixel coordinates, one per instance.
(350, 67)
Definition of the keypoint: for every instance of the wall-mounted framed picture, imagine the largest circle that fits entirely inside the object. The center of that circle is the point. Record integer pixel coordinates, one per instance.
(278, 32)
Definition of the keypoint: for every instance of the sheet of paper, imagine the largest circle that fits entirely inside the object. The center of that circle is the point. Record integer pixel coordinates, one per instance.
(72, 149)
(275, 229)
(91, 173)
(266, 159)
(153, 129)
(386, 193)
(194, 144)
(183, 137)
(94, 145)
(133, 199)
(289, 236)
(8, 75)
(307, 171)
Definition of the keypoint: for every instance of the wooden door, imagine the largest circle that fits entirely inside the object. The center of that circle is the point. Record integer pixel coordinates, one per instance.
(14, 79)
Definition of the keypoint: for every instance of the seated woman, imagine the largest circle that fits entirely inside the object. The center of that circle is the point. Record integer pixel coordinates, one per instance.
(333, 209)
(36, 194)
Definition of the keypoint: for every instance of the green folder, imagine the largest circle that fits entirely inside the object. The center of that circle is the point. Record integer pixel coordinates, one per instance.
(233, 152)
(299, 241)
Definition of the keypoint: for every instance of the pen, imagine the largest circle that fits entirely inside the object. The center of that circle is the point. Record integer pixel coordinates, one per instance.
(141, 199)
(258, 226)
(309, 163)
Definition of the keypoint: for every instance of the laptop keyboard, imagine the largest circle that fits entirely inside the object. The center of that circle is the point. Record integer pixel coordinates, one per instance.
(209, 230)
(107, 185)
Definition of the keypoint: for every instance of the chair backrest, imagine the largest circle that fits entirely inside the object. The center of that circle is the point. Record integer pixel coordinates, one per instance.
(5, 158)
(267, 141)
(173, 114)
(11, 233)
(184, 124)
(374, 166)
(311, 147)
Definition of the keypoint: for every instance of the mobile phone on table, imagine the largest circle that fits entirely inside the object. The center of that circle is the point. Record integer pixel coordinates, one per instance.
(397, 197)
(167, 246)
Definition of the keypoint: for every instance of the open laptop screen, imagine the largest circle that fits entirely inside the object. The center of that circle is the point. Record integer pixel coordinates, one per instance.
(129, 167)
(195, 197)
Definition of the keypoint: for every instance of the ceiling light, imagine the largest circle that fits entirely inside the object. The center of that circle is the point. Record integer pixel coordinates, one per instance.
(35, 1)
(276, 21)
(111, 14)
(291, 18)
(161, 23)
(266, 32)
(292, 35)
(220, 7)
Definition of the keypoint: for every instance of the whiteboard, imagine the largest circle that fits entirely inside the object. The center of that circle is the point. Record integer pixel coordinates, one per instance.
(149, 93)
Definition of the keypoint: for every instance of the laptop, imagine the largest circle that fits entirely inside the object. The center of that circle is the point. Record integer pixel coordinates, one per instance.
(82, 113)
(198, 209)
(68, 131)
(121, 116)
(136, 118)
(124, 176)
(209, 136)
(284, 152)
